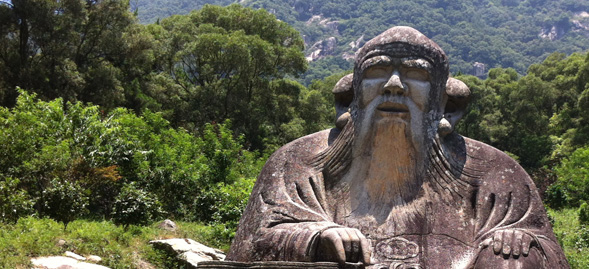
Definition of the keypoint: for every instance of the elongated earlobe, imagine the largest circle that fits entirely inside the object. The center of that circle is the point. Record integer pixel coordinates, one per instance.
(344, 94)
(457, 96)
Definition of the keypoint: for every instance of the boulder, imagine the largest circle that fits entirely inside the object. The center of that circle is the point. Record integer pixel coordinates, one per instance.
(189, 250)
(167, 225)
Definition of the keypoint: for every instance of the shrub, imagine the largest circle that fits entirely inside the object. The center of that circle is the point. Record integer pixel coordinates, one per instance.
(556, 196)
(224, 203)
(573, 176)
(14, 202)
(134, 206)
(64, 201)
(584, 214)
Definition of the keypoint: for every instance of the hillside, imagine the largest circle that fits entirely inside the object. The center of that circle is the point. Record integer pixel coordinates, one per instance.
(477, 35)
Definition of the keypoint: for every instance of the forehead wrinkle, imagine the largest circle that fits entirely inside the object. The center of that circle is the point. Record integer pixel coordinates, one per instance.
(416, 62)
(376, 60)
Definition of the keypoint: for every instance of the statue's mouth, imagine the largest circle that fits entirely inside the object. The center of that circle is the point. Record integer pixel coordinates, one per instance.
(390, 107)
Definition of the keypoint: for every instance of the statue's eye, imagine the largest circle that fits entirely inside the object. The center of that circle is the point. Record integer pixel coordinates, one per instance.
(377, 71)
(417, 74)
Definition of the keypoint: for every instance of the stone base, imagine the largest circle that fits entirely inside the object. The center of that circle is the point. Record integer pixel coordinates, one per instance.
(276, 264)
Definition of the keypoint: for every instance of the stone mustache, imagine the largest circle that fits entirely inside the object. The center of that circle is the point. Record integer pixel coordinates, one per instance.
(393, 185)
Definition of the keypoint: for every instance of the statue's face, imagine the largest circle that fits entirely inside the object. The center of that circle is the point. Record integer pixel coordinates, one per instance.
(395, 88)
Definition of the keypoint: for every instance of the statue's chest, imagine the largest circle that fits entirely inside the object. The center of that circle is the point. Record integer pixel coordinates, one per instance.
(429, 227)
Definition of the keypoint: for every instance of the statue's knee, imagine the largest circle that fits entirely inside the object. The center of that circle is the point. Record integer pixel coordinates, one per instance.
(488, 259)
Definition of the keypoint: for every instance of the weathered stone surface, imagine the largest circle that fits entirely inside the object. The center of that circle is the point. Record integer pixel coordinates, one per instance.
(393, 185)
(189, 250)
(274, 264)
(94, 259)
(322, 48)
(63, 263)
(74, 255)
(167, 225)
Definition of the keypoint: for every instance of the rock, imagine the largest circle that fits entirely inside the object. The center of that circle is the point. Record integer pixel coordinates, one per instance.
(479, 69)
(322, 48)
(189, 250)
(74, 255)
(94, 259)
(61, 242)
(167, 225)
(552, 33)
(63, 263)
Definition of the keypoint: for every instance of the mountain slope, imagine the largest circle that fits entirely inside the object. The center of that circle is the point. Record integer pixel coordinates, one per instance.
(477, 35)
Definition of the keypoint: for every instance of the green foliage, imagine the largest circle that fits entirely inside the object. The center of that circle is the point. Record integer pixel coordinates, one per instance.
(572, 236)
(556, 196)
(14, 202)
(584, 216)
(134, 206)
(573, 176)
(224, 203)
(122, 163)
(223, 63)
(77, 50)
(118, 247)
(63, 201)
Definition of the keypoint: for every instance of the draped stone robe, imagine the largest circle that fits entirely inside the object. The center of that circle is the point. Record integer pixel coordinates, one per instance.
(472, 190)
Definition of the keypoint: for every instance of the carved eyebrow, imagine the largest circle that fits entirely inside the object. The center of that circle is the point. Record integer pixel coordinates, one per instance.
(377, 60)
(416, 63)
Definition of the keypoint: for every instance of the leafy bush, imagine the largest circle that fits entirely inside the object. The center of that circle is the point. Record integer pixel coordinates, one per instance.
(64, 201)
(14, 202)
(224, 203)
(56, 150)
(556, 196)
(584, 214)
(573, 177)
(135, 206)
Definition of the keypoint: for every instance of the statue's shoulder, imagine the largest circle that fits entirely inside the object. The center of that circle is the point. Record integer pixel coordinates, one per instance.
(484, 152)
(297, 153)
(494, 163)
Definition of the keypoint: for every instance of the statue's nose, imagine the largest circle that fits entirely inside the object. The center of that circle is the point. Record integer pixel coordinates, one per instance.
(394, 85)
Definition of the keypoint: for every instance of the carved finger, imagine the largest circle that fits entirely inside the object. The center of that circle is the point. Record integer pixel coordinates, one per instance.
(355, 246)
(497, 242)
(347, 244)
(507, 239)
(365, 245)
(517, 243)
(334, 246)
(526, 242)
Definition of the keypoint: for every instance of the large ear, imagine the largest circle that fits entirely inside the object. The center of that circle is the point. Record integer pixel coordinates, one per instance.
(457, 97)
(344, 94)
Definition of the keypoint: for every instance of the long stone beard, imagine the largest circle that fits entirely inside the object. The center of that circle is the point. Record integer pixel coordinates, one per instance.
(389, 163)
(398, 195)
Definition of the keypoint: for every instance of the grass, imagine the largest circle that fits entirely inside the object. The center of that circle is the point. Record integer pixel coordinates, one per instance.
(119, 248)
(572, 236)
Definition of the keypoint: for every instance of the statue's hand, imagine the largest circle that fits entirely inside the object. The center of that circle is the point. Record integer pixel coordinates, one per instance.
(510, 242)
(343, 245)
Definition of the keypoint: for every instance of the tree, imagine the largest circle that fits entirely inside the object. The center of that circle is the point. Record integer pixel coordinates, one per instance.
(90, 51)
(220, 63)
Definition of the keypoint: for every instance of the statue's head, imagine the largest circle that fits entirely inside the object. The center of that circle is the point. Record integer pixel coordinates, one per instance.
(400, 75)
(400, 91)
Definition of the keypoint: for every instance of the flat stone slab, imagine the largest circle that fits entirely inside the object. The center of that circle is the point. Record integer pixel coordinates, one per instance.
(272, 264)
(192, 252)
(59, 262)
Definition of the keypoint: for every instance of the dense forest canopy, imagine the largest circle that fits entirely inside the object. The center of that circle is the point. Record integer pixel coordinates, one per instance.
(496, 33)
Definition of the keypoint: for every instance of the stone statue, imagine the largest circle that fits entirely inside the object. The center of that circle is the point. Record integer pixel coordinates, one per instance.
(393, 186)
